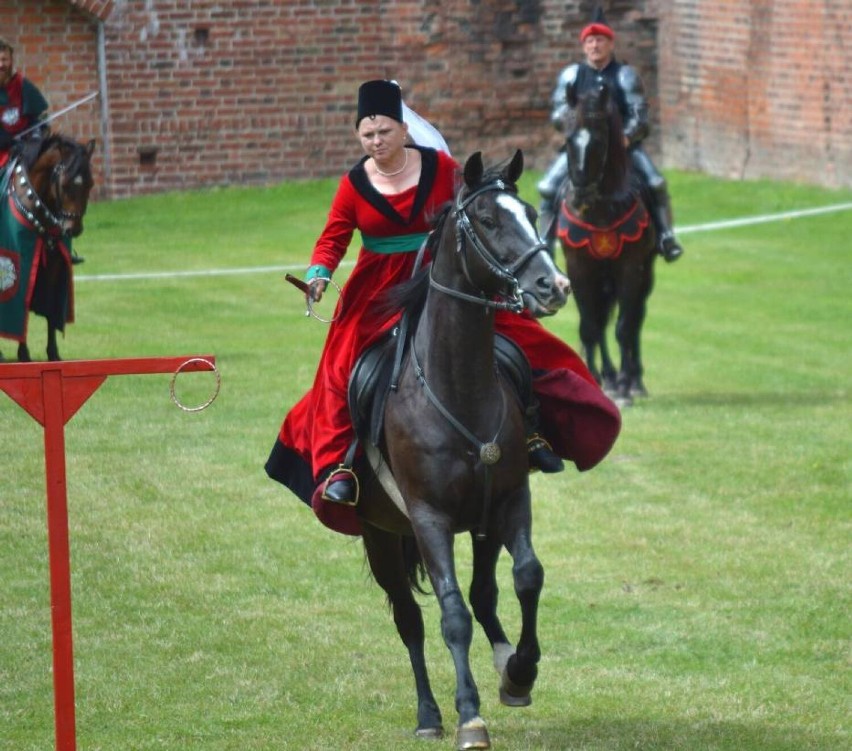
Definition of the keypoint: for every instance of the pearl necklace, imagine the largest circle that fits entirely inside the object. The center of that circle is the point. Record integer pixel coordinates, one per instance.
(397, 172)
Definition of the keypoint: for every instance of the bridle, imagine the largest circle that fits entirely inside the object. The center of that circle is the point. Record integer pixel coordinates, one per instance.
(56, 184)
(466, 236)
(38, 213)
(489, 451)
(590, 192)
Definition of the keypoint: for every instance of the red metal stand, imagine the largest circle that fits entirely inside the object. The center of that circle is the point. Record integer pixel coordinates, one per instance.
(52, 392)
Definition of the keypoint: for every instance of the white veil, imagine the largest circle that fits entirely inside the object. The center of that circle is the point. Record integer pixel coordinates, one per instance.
(422, 132)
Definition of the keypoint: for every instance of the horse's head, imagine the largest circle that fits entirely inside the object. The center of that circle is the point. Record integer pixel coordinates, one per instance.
(597, 161)
(71, 183)
(60, 174)
(500, 248)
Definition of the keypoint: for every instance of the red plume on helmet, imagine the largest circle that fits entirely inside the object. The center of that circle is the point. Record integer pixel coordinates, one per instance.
(598, 26)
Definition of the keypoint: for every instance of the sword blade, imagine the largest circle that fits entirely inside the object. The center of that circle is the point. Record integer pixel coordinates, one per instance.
(61, 112)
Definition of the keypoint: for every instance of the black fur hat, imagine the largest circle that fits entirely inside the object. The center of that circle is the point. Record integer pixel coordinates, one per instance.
(379, 97)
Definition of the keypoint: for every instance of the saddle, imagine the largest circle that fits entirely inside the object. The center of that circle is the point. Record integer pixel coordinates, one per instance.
(376, 374)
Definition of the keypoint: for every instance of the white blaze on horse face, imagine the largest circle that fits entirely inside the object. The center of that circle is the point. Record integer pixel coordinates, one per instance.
(582, 139)
(518, 210)
(559, 287)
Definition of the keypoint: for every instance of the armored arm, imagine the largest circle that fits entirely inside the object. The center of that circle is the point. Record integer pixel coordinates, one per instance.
(560, 107)
(636, 126)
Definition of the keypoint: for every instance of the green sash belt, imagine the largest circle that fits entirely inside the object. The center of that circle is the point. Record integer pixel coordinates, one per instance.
(394, 243)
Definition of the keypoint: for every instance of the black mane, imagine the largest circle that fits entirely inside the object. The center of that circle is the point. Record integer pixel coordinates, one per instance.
(410, 296)
(618, 179)
(31, 150)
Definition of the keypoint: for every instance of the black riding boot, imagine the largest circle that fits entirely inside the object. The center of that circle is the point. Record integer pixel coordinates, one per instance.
(515, 367)
(667, 245)
(540, 453)
(341, 486)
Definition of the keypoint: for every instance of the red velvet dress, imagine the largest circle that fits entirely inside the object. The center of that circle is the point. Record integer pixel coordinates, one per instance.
(577, 419)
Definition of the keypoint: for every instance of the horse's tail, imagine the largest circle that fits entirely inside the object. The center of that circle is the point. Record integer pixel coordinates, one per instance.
(414, 568)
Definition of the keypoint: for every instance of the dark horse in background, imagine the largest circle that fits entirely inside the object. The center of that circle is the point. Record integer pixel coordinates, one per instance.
(45, 192)
(452, 457)
(609, 242)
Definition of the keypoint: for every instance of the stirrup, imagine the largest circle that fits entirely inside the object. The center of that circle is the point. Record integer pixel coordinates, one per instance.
(334, 476)
(536, 443)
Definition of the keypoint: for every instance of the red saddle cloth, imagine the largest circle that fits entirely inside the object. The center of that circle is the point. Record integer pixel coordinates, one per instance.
(603, 242)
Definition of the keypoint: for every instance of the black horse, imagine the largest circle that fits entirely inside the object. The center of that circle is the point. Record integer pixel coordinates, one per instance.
(608, 240)
(47, 187)
(453, 454)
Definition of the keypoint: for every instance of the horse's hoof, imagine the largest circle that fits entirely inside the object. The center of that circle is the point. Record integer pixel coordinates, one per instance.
(638, 390)
(473, 734)
(513, 695)
(429, 734)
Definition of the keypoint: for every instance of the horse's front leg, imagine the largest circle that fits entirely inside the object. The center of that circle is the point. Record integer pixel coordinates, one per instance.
(387, 562)
(435, 539)
(528, 575)
(636, 287)
(590, 298)
(484, 594)
(609, 374)
(24, 352)
(52, 348)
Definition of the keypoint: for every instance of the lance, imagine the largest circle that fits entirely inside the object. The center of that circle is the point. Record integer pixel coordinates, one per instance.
(42, 123)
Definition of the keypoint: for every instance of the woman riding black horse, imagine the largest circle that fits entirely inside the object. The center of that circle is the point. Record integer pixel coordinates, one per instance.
(455, 433)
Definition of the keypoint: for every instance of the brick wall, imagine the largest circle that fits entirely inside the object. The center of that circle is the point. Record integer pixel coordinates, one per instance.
(258, 91)
(56, 48)
(262, 91)
(759, 88)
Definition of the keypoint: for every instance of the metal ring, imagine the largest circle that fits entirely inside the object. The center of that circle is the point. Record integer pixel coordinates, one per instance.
(210, 401)
(310, 304)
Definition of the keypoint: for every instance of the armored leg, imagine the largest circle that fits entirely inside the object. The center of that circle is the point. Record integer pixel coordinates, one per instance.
(548, 188)
(660, 208)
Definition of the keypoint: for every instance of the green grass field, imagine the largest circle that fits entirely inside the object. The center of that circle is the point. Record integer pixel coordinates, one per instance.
(697, 592)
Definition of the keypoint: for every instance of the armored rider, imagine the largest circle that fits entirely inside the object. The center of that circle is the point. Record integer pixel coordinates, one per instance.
(22, 105)
(601, 66)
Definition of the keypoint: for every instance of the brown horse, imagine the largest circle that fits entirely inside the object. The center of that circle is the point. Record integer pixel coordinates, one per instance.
(45, 193)
(609, 242)
(453, 453)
